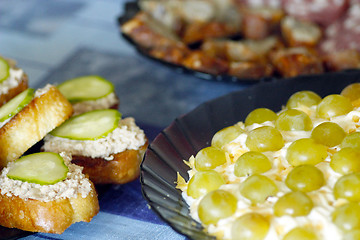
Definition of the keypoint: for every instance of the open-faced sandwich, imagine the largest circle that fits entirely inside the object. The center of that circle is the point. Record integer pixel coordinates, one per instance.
(109, 148)
(89, 93)
(13, 80)
(28, 117)
(45, 192)
(289, 175)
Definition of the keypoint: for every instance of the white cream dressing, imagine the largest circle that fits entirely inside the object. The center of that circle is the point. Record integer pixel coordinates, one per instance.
(319, 218)
(127, 136)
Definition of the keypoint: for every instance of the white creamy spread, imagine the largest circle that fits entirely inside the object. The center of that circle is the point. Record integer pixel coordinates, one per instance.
(75, 183)
(14, 79)
(101, 103)
(37, 93)
(319, 218)
(127, 136)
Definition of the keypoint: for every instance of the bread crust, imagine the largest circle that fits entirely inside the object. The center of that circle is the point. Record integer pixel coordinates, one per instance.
(32, 123)
(125, 166)
(22, 86)
(50, 217)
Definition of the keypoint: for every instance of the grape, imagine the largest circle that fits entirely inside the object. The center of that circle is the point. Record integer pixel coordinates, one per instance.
(209, 158)
(300, 233)
(260, 115)
(305, 151)
(250, 163)
(257, 188)
(333, 105)
(216, 205)
(346, 161)
(226, 135)
(352, 140)
(348, 187)
(203, 182)
(328, 133)
(264, 139)
(293, 204)
(347, 216)
(352, 235)
(352, 91)
(250, 226)
(305, 98)
(293, 119)
(305, 178)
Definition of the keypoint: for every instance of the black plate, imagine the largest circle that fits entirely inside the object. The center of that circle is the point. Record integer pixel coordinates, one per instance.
(132, 8)
(193, 131)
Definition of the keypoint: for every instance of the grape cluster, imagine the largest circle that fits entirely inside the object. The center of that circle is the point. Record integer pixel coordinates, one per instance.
(280, 175)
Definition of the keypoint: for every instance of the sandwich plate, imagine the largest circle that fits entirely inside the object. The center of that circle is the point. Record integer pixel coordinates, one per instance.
(189, 133)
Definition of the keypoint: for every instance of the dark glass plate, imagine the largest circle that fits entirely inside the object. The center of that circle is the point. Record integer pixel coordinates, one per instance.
(131, 9)
(193, 131)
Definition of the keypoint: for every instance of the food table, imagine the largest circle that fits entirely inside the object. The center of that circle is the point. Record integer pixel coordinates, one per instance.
(57, 40)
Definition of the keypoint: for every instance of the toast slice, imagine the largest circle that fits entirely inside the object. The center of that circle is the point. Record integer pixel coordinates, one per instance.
(47, 110)
(114, 158)
(47, 208)
(14, 84)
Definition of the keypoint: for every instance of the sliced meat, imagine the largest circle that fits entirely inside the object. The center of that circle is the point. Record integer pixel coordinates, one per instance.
(344, 33)
(323, 12)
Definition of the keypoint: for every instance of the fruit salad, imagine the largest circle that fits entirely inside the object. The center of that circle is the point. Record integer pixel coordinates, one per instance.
(294, 174)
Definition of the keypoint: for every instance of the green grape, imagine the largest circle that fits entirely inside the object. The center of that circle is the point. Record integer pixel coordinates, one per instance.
(250, 163)
(250, 226)
(264, 139)
(260, 115)
(209, 158)
(352, 140)
(216, 205)
(305, 178)
(305, 151)
(352, 235)
(226, 135)
(346, 161)
(348, 187)
(203, 182)
(333, 105)
(328, 133)
(257, 188)
(293, 119)
(352, 91)
(347, 216)
(303, 98)
(300, 233)
(294, 204)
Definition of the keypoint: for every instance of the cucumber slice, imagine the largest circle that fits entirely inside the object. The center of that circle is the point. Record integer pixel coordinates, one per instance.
(44, 168)
(86, 88)
(16, 104)
(4, 69)
(89, 126)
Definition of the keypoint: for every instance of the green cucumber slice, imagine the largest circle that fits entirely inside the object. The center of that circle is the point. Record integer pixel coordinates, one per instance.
(16, 104)
(89, 126)
(4, 69)
(44, 168)
(86, 88)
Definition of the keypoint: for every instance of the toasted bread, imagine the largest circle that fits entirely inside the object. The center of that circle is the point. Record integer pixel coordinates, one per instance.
(45, 112)
(14, 88)
(123, 168)
(46, 212)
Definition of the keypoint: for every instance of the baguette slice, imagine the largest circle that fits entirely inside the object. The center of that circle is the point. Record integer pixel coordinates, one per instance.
(45, 112)
(52, 215)
(14, 90)
(124, 167)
